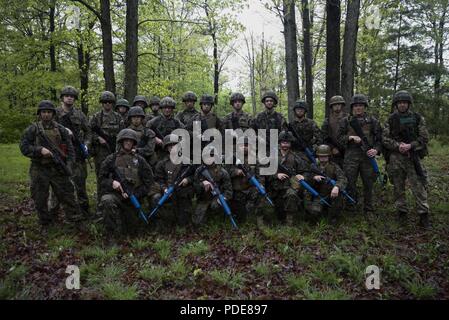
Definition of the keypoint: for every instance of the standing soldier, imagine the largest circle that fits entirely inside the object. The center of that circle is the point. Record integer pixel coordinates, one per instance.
(406, 137)
(123, 170)
(155, 104)
(76, 121)
(208, 119)
(185, 116)
(270, 119)
(48, 145)
(359, 149)
(146, 138)
(327, 170)
(237, 119)
(122, 107)
(140, 101)
(305, 131)
(283, 186)
(206, 201)
(165, 175)
(164, 124)
(105, 125)
(329, 128)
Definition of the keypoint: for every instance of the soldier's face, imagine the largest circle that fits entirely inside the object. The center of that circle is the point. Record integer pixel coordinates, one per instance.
(285, 145)
(107, 105)
(402, 106)
(140, 104)
(336, 108)
(46, 115)
(358, 109)
(189, 104)
(68, 100)
(128, 144)
(269, 103)
(155, 107)
(122, 110)
(167, 111)
(206, 107)
(300, 112)
(323, 159)
(238, 105)
(136, 121)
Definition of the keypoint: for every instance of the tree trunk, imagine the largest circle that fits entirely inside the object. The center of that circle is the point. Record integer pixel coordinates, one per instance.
(349, 50)
(84, 67)
(52, 45)
(291, 54)
(332, 50)
(108, 58)
(307, 56)
(216, 68)
(131, 58)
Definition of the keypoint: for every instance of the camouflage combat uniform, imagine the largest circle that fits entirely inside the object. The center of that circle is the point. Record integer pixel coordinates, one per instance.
(356, 160)
(205, 200)
(329, 130)
(400, 166)
(45, 173)
(119, 215)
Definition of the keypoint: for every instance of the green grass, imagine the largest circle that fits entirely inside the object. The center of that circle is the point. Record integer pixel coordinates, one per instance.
(195, 248)
(119, 291)
(100, 254)
(229, 278)
(163, 249)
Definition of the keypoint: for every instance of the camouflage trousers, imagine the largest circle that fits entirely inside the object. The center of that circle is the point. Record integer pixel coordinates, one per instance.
(100, 154)
(177, 209)
(400, 168)
(203, 207)
(79, 182)
(315, 208)
(287, 203)
(355, 163)
(42, 177)
(244, 203)
(119, 215)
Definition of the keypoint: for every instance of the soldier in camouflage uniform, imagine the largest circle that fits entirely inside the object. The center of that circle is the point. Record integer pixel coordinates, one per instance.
(146, 138)
(330, 126)
(333, 194)
(405, 133)
(270, 119)
(306, 128)
(237, 119)
(122, 108)
(44, 172)
(164, 124)
(155, 104)
(185, 116)
(356, 159)
(245, 198)
(282, 188)
(206, 202)
(76, 121)
(165, 175)
(110, 123)
(207, 118)
(120, 216)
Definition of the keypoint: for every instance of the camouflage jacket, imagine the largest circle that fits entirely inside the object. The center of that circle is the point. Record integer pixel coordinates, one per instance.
(146, 143)
(111, 123)
(329, 131)
(163, 126)
(185, 116)
(77, 122)
(241, 182)
(409, 127)
(309, 131)
(221, 179)
(294, 164)
(166, 173)
(270, 120)
(237, 121)
(333, 171)
(31, 143)
(133, 168)
(371, 128)
(208, 121)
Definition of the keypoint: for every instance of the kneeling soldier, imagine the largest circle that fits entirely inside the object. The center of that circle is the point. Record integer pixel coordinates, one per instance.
(323, 172)
(122, 170)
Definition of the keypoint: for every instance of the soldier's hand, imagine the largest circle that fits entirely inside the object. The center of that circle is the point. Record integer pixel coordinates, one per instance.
(240, 173)
(334, 193)
(158, 141)
(371, 153)
(356, 139)
(125, 195)
(46, 153)
(335, 151)
(282, 176)
(318, 178)
(404, 147)
(184, 182)
(69, 132)
(207, 185)
(300, 177)
(117, 186)
(102, 141)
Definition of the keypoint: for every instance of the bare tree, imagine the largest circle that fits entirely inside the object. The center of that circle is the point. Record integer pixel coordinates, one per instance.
(131, 58)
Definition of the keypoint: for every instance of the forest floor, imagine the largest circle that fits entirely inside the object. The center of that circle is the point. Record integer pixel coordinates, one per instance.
(312, 260)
